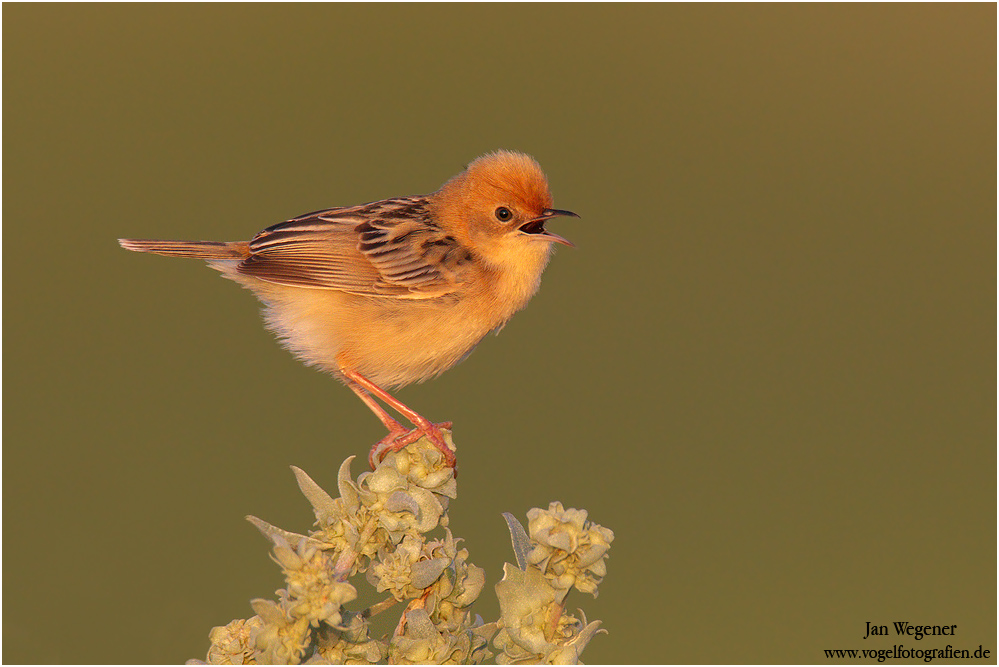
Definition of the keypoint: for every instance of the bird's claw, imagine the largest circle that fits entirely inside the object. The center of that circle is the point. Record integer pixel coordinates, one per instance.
(397, 440)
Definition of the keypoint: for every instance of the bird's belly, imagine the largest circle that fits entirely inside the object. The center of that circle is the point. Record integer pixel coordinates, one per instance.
(391, 341)
(414, 342)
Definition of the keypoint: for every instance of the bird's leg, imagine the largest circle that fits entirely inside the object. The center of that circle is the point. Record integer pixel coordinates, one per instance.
(391, 424)
(398, 437)
(395, 429)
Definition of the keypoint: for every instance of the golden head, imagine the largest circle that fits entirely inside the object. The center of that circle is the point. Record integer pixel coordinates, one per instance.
(499, 206)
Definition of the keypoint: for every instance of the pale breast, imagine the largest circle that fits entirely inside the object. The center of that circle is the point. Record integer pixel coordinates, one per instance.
(392, 341)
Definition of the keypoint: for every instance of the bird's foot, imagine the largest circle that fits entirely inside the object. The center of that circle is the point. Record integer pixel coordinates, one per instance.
(397, 440)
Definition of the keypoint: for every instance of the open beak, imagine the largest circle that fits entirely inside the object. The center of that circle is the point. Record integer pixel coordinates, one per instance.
(536, 227)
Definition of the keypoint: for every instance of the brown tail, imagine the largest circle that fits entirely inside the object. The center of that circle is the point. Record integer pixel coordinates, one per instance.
(198, 249)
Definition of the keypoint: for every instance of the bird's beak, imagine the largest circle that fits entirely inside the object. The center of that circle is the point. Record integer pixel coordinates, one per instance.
(536, 227)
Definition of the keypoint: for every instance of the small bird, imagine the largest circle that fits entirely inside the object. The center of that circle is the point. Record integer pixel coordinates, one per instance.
(399, 290)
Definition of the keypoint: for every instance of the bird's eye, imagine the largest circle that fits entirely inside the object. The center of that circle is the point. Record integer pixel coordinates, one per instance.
(503, 214)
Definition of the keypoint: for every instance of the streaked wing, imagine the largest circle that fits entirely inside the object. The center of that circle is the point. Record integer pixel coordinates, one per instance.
(385, 248)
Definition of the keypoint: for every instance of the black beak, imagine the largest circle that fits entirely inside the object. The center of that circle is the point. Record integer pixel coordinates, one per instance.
(553, 212)
(536, 227)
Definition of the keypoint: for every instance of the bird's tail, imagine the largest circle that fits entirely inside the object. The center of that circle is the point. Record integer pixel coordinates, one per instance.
(198, 249)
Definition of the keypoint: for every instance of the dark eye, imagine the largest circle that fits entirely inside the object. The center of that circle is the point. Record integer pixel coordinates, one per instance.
(503, 214)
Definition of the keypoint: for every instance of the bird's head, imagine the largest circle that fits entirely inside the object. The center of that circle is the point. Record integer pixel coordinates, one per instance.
(498, 207)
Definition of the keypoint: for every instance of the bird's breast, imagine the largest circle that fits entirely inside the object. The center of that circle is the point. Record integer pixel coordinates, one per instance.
(393, 341)
(400, 341)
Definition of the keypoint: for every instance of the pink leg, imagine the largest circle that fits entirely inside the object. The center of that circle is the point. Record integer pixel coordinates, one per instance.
(395, 429)
(398, 437)
(391, 424)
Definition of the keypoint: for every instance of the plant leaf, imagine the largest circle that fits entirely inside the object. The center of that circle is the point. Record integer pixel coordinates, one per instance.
(521, 542)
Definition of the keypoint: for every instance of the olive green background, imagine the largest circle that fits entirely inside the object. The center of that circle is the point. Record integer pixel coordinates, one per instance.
(768, 366)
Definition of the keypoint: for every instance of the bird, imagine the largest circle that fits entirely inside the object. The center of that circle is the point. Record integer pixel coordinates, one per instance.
(397, 291)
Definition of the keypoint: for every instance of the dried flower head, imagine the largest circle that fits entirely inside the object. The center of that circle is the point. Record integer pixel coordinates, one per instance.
(569, 549)
(379, 525)
(232, 644)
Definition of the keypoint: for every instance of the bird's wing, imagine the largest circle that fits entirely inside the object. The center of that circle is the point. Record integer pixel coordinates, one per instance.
(386, 248)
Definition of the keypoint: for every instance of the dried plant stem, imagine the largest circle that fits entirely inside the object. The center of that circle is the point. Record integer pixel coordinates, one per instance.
(345, 562)
(379, 607)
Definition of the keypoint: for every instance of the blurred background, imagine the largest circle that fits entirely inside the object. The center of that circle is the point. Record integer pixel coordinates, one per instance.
(768, 366)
